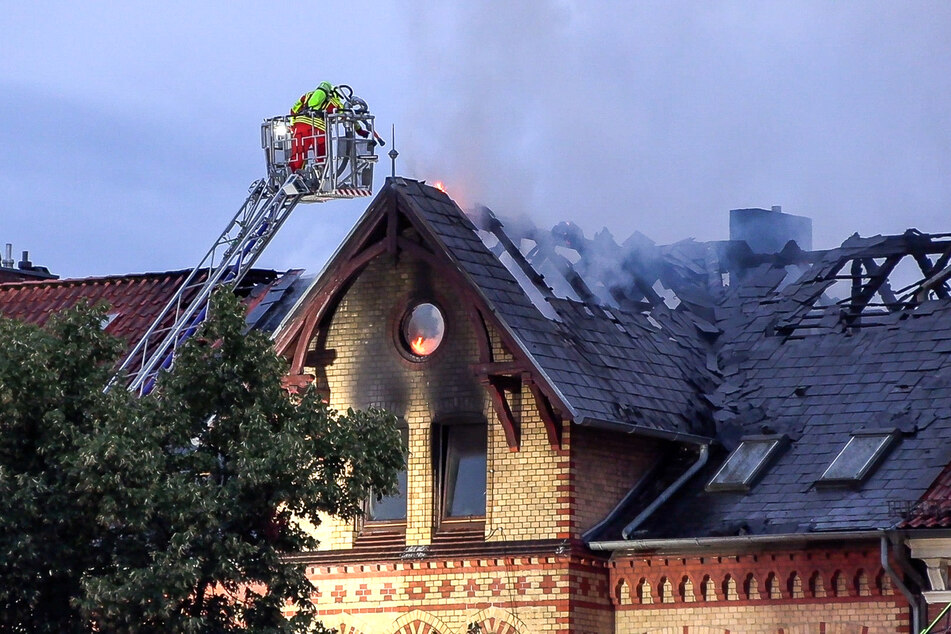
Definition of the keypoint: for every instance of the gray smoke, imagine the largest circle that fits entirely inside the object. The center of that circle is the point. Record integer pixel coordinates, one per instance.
(662, 117)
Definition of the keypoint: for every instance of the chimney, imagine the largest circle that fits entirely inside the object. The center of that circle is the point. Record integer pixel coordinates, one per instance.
(25, 271)
(768, 231)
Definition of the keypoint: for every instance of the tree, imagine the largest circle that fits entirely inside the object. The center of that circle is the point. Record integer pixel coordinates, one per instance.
(172, 512)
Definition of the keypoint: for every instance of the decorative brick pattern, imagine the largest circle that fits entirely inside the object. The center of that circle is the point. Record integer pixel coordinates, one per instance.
(451, 592)
(773, 594)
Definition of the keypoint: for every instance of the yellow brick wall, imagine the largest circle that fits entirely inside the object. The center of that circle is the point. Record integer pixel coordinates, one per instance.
(522, 500)
(794, 618)
(605, 466)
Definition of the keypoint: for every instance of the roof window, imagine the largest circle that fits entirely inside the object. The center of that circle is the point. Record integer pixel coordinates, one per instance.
(747, 462)
(860, 455)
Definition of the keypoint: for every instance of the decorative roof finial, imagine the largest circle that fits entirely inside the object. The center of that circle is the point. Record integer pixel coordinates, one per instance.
(393, 153)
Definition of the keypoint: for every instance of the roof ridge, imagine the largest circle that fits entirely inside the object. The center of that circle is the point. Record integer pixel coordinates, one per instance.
(77, 281)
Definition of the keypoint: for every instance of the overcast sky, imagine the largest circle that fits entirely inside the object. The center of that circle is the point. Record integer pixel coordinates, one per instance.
(130, 131)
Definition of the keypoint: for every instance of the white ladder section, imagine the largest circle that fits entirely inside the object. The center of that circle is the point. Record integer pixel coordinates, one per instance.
(344, 171)
(227, 261)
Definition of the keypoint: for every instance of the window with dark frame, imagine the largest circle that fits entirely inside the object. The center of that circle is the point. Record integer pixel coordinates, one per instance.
(461, 468)
(858, 458)
(747, 463)
(391, 508)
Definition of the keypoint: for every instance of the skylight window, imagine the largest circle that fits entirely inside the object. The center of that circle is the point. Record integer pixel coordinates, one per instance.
(746, 463)
(859, 456)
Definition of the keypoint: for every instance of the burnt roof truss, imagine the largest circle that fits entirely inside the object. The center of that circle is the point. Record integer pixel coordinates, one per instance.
(870, 267)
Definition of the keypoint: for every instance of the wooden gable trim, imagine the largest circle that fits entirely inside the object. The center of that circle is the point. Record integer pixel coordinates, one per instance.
(497, 386)
(318, 308)
(495, 377)
(292, 343)
(550, 418)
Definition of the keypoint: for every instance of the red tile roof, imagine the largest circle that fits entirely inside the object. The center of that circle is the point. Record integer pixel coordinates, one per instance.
(135, 300)
(934, 508)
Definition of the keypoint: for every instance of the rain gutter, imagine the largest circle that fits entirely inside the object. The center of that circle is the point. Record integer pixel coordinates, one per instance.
(784, 539)
(652, 432)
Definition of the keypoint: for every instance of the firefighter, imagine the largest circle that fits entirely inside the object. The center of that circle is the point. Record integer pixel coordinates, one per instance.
(308, 125)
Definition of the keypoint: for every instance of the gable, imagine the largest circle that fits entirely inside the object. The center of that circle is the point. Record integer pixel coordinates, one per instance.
(571, 380)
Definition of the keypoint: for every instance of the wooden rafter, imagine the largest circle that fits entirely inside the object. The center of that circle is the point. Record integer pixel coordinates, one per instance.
(552, 421)
(861, 294)
(498, 387)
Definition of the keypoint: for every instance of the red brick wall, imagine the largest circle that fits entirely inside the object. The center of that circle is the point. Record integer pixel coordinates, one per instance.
(834, 590)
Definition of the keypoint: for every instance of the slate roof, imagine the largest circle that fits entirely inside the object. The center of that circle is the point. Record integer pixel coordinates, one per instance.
(767, 352)
(613, 367)
(817, 383)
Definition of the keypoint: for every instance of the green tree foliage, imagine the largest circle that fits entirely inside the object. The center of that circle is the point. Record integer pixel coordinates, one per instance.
(172, 512)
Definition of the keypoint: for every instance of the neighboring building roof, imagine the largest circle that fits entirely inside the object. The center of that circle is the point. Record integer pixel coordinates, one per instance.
(934, 508)
(135, 300)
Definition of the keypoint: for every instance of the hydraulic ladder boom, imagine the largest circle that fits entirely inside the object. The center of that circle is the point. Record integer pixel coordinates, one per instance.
(229, 258)
(344, 171)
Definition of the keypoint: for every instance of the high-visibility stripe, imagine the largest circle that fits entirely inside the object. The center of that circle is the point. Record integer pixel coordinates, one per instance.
(317, 122)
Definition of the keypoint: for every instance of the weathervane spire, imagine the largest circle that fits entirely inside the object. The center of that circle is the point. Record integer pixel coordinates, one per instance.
(393, 153)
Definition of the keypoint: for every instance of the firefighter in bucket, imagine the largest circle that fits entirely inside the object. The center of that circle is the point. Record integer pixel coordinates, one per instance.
(309, 123)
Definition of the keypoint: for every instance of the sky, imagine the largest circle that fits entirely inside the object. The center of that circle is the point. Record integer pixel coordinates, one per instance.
(129, 132)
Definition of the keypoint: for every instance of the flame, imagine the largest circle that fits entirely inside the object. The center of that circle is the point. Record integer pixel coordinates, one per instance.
(418, 345)
(439, 185)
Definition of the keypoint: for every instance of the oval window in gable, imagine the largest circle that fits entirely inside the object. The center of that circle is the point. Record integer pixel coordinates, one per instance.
(422, 330)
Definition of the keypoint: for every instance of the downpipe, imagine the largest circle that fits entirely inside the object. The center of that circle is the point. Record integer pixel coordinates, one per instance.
(913, 603)
(668, 492)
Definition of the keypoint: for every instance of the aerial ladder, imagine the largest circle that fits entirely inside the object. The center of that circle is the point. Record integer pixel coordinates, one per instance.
(345, 171)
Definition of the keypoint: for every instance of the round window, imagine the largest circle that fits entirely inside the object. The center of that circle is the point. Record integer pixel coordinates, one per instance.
(423, 329)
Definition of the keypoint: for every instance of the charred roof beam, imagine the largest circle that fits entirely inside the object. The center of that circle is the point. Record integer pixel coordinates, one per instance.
(862, 293)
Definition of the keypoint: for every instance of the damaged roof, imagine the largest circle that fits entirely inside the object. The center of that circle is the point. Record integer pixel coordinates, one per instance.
(614, 366)
(713, 341)
(817, 371)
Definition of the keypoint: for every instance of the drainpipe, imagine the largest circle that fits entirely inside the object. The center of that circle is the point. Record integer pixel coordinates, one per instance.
(668, 492)
(909, 596)
(594, 530)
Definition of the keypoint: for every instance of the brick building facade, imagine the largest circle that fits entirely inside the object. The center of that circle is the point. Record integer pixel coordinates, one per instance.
(597, 429)
(616, 439)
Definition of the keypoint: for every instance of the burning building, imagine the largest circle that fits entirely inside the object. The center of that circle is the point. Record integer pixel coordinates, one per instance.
(744, 436)
(629, 437)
